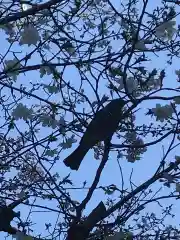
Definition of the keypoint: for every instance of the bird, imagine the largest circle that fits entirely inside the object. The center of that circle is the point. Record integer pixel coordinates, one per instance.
(101, 128)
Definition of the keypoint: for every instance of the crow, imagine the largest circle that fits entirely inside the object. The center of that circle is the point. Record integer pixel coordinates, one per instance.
(101, 128)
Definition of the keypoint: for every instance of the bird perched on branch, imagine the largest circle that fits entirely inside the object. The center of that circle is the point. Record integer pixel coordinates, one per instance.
(101, 128)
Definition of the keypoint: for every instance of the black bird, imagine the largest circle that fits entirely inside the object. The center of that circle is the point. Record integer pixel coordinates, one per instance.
(101, 128)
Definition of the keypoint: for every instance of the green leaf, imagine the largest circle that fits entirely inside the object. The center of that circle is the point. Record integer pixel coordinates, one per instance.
(52, 138)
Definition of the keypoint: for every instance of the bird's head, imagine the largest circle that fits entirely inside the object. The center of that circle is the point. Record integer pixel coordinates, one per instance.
(117, 103)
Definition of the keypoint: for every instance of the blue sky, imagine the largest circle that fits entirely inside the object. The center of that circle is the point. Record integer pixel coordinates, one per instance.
(142, 170)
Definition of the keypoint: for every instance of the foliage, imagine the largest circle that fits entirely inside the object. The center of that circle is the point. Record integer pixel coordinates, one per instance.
(60, 62)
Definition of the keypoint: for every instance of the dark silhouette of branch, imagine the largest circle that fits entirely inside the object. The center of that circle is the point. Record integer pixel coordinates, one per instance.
(140, 188)
(81, 230)
(7, 214)
(96, 179)
(31, 11)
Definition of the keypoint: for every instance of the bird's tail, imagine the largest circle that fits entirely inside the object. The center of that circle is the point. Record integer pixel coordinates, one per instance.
(74, 160)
